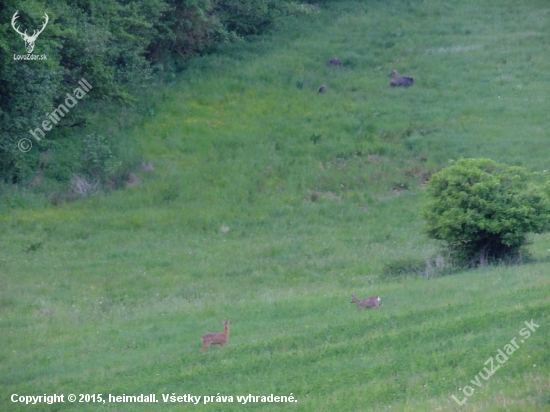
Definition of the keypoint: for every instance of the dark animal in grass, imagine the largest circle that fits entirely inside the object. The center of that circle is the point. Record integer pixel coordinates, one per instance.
(398, 81)
(335, 62)
(322, 89)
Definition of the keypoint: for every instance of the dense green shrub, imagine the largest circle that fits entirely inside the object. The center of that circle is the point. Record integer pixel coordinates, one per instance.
(250, 16)
(97, 158)
(484, 210)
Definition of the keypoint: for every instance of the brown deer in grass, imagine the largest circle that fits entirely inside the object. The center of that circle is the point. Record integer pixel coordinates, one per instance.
(372, 302)
(216, 338)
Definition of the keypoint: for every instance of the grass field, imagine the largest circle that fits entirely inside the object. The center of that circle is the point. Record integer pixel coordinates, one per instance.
(271, 204)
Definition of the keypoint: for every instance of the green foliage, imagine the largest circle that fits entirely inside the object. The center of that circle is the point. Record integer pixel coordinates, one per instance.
(27, 88)
(251, 16)
(97, 158)
(483, 209)
(115, 45)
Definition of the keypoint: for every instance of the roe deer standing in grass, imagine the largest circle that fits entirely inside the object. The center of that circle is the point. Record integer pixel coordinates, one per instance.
(372, 302)
(216, 338)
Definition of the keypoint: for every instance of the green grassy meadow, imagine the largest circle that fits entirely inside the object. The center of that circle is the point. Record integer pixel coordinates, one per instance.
(271, 204)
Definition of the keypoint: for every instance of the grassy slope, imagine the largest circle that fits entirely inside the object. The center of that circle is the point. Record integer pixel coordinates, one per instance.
(117, 297)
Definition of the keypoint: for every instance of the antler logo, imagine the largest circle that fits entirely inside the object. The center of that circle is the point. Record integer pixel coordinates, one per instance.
(29, 40)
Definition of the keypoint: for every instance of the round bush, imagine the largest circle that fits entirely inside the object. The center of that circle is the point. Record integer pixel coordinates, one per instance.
(484, 210)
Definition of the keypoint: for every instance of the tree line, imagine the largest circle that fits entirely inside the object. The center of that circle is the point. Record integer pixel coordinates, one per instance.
(113, 44)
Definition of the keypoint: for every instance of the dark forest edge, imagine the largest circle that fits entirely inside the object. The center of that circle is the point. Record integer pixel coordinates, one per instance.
(119, 48)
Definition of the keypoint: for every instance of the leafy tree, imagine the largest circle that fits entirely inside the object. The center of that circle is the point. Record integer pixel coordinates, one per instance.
(484, 210)
(27, 88)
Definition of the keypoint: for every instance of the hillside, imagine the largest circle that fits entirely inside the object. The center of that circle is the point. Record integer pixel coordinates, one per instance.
(271, 204)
